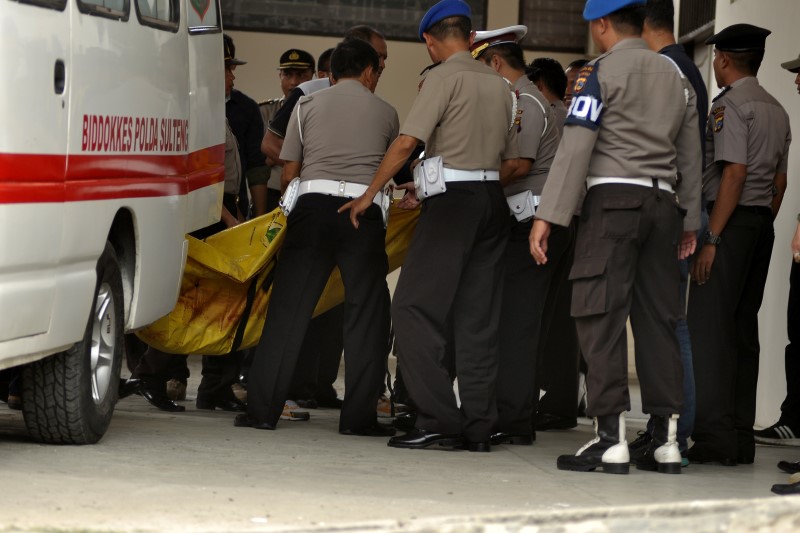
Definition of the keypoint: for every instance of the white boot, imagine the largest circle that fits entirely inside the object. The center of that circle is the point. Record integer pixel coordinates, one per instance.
(662, 454)
(608, 450)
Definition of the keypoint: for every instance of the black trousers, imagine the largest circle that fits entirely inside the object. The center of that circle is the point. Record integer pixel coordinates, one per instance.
(525, 287)
(317, 239)
(723, 321)
(318, 362)
(559, 351)
(453, 271)
(626, 266)
(790, 408)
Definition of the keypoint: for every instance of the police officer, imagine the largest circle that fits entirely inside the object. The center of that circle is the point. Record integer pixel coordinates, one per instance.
(790, 409)
(335, 141)
(525, 283)
(294, 67)
(548, 76)
(632, 119)
(747, 144)
(248, 127)
(452, 271)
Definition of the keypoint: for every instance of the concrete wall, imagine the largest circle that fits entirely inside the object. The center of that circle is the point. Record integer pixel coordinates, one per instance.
(398, 85)
(780, 16)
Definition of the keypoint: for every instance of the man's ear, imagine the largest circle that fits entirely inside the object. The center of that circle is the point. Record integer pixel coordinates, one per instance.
(428, 39)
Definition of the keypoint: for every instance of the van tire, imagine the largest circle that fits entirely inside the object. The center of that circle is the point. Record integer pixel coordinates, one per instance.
(69, 397)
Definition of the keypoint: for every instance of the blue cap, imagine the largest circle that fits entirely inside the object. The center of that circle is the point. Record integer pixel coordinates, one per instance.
(442, 10)
(596, 9)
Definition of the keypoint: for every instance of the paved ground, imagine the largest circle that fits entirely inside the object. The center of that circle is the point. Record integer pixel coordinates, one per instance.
(194, 471)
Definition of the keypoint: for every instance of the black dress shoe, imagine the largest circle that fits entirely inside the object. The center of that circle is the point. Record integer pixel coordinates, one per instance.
(522, 439)
(243, 420)
(698, 454)
(376, 430)
(158, 399)
(128, 387)
(788, 467)
(420, 438)
(307, 403)
(405, 421)
(231, 405)
(481, 446)
(549, 422)
(786, 489)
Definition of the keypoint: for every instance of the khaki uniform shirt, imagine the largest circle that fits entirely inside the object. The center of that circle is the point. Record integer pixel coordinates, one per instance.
(560, 112)
(747, 125)
(233, 163)
(463, 113)
(345, 133)
(268, 110)
(633, 115)
(537, 136)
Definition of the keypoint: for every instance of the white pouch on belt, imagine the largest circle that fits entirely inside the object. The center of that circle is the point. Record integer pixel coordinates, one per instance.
(289, 198)
(523, 205)
(386, 202)
(429, 178)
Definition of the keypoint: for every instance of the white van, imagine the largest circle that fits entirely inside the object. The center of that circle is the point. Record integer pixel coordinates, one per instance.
(111, 150)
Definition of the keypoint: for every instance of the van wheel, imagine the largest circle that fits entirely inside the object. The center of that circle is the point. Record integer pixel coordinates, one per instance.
(69, 397)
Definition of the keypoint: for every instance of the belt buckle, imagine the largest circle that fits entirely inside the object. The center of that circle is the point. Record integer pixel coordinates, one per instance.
(342, 185)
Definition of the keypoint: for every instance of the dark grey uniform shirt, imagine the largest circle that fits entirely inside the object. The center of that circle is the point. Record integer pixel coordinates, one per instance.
(747, 125)
(537, 136)
(268, 109)
(445, 117)
(233, 163)
(611, 131)
(345, 133)
(560, 112)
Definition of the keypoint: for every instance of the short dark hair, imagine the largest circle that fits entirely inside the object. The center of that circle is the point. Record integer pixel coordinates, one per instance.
(746, 62)
(351, 57)
(363, 32)
(660, 15)
(324, 61)
(628, 20)
(457, 26)
(510, 52)
(578, 63)
(550, 73)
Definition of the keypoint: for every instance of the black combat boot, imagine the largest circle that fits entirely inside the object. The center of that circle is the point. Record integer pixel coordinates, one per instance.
(608, 450)
(662, 454)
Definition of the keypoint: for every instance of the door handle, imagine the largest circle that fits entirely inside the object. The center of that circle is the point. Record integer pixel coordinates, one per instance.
(59, 77)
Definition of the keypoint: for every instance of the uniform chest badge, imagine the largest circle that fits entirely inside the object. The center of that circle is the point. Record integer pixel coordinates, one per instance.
(718, 119)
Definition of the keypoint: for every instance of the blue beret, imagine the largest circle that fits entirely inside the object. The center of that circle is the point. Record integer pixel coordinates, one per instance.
(442, 10)
(596, 9)
(740, 38)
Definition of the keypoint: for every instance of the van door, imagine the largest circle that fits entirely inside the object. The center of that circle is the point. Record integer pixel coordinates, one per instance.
(34, 101)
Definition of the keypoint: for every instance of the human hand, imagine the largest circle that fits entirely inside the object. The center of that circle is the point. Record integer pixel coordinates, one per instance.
(540, 232)
(409, 200)
(356, 207)
(687, 245)
(701, 268)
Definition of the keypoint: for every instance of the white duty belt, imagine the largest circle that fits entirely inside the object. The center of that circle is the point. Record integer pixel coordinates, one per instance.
(345, 189)
(452, 174)
(642, 182)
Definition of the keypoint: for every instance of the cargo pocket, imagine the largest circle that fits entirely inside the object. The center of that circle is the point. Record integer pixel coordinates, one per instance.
(589, 280)
(621, 216)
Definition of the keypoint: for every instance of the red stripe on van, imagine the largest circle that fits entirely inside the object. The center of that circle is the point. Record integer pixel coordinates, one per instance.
(38, 178)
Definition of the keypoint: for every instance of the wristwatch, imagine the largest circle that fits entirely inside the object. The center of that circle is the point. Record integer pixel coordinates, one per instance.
(712, 239)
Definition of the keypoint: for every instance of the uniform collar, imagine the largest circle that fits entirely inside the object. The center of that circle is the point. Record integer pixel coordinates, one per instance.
(521, 82)
(748, 80)
(463, 56)
(630, 43)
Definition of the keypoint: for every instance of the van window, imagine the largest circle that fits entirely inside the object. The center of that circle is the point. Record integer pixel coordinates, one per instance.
(113, 9)
(203, 16)
(52, 4)
(162, 14)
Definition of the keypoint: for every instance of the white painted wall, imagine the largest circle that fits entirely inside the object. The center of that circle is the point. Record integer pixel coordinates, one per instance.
(780, 16)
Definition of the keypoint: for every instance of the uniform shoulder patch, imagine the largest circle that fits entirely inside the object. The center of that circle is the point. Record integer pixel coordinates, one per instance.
(718, 118)
(586, 108)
